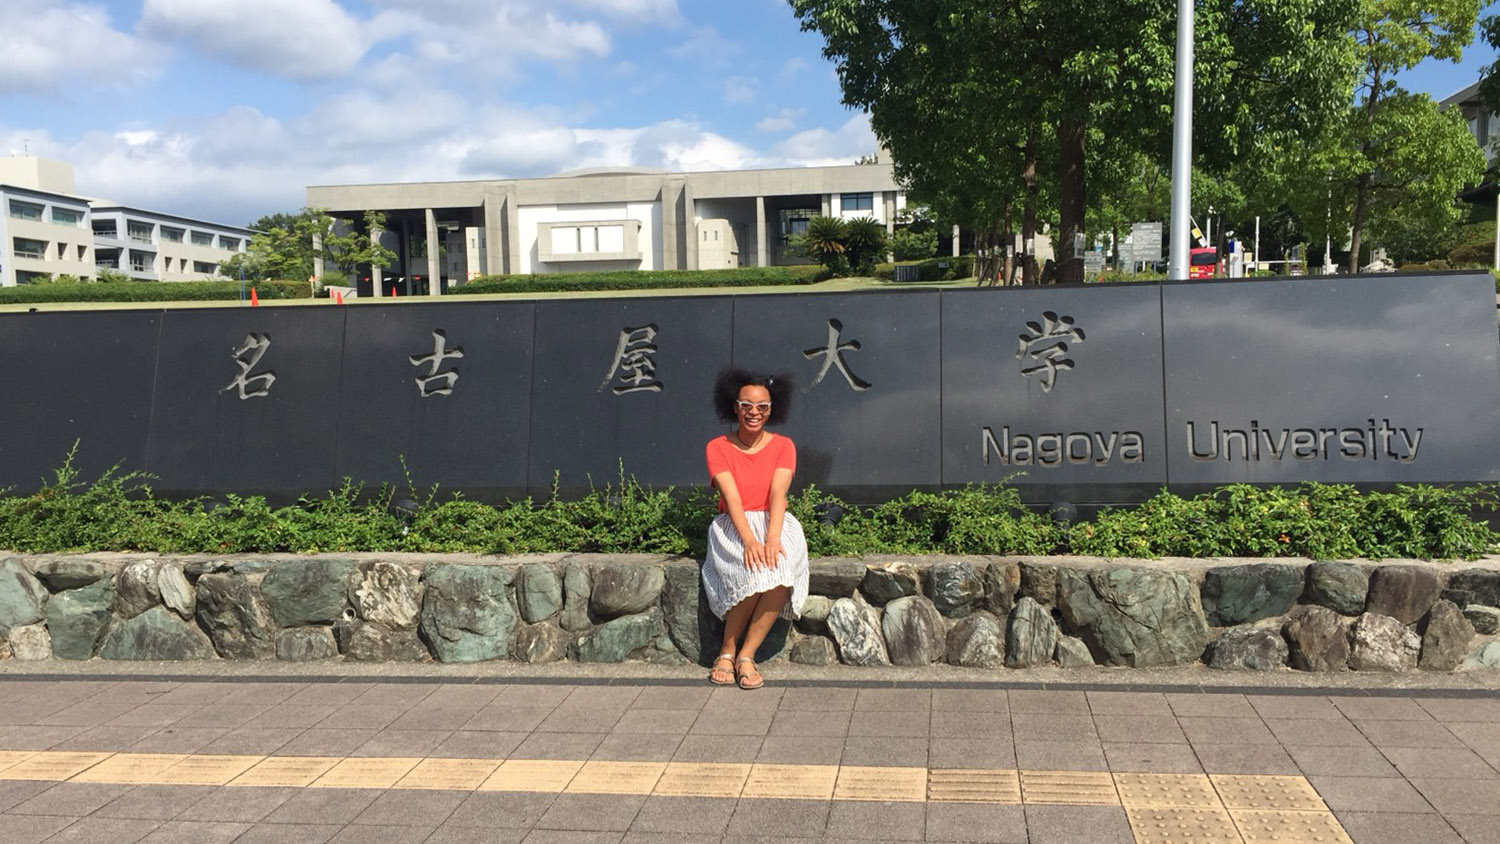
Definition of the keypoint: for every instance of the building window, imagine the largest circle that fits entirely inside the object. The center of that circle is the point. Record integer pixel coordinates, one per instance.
(28, 248)
(140, 261)
(171, 235)
(205, 267)
(66, 216)
(25, 277)
(138, 232)
(230, 243)
(203, 239)
(857, 202)
(105, 228)
(25, 210)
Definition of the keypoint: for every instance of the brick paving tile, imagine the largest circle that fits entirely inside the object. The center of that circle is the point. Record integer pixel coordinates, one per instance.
(1343, 761)
(671, 697)
(248, 805)
(1232, 730)
(13, 792)
(769, 839)
(774, 817)
(559, 836)
(707, 748)
(532, 694)
(286, 716)
(1461, 797)
(580, 720)
(195, 832)
(754, 722)
(155, 715)
(30, 829)
(592, 812)
(266, 694)
(464, 835)
(85, 713)
(893, 700)
(500, 810)
(251, 741)
(877, 821)
(1381, 709)
(1307, 732)
(104, 831)
(970, 700)
(1245, 759)
(1475, 829)
(1369, 794)
(322, 742)
(1153, 758)
(505, 718)
(1129, 703)
(601, 697)
(328, 694)
(1396, 828)
(972, 725)
(788, 750)
(74, 799)
(413, 808)
(361, 717)
(729, 699)
(479, 744)
(979, 822)
(1406, 733)
(901, 725)
(435, 717)
(1039, 702)
(361, 834)
(1139, 728)
(1032, 727)
(232, 717)
(1451, 711)
(634, 837)
(1294, 706)
(1482, 738)
(661, 720)
(1078, 825)
(323, 806)
(37, 738)
(1060, 756)
(875, 752)
(403, 743)
(962, 753)
(178, 739)
(154, 802)
(107, 737)
(708, 816)
(818, 699)
(638, 747)
(302, 833)
(558, 746)
(814, 724)
(404, 695)
(1440, 762)
(1218, 705)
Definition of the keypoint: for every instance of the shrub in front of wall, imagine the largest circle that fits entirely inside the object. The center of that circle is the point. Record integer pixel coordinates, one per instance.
(152, 291)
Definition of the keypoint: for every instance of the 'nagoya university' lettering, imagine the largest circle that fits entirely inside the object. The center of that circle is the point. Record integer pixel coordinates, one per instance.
(1078, 448)
(1375, 441)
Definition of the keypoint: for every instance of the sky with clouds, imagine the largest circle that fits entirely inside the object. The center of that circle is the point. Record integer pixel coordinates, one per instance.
(228, 109)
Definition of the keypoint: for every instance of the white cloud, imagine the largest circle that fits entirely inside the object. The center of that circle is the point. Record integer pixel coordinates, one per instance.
(739, 90)
(44, 46)
(792, 69)
(781, 121)
(643, 11)
(821, 147)
(297, 39)
(704, 44)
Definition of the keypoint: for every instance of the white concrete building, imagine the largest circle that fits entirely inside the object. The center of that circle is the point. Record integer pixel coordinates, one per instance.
(609, 219)
(46, 229)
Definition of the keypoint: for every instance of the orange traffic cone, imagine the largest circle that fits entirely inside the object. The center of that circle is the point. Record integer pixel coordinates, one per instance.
(254, 299)
(338, 297)
(395, 291)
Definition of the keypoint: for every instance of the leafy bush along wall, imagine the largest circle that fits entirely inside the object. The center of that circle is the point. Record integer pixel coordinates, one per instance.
(978, 612)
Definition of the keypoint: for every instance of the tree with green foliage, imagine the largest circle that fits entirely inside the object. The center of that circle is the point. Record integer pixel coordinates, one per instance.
(824, 242)
(967, 94)
(284, 246)
(865, 243)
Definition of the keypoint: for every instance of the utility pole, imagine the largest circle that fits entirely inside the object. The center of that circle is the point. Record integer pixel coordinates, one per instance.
(1182, 143)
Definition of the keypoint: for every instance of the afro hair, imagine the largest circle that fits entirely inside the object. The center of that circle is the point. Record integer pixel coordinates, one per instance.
(727, 391)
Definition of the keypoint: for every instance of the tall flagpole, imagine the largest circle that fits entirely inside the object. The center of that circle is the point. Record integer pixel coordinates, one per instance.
(1182, 144)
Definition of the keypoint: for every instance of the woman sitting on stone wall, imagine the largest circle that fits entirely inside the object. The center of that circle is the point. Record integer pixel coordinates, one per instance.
(756, 569)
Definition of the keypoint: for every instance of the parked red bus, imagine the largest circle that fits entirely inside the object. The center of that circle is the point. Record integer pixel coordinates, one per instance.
(1203, 263)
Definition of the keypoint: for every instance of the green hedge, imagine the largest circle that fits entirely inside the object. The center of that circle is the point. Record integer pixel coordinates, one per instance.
(640, 280)
(119, 513)
(152, 291)
(932, 269)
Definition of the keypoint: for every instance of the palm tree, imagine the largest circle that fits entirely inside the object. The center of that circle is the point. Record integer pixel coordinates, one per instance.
(864, 239)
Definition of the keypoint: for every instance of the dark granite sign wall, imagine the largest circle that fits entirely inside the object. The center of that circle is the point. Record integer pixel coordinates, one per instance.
(1093, 394)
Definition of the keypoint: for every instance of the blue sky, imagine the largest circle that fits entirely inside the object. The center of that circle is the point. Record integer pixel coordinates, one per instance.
(228, 109)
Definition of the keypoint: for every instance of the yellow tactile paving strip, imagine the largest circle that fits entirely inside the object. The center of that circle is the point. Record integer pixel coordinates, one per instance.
(1161, 808)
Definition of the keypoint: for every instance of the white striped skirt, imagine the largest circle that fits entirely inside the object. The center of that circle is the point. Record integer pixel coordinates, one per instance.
(727, 581)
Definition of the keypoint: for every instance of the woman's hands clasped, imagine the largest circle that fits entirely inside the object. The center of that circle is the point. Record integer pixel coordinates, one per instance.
(760, 555)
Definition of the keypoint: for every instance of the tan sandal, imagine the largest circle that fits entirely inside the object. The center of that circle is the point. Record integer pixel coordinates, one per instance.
(748, 680)
(722, 676)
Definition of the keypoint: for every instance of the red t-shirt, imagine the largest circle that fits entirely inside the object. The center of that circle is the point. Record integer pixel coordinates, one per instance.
(752, 472)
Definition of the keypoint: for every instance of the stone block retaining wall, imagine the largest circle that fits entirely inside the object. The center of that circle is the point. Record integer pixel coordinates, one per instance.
(977, 612)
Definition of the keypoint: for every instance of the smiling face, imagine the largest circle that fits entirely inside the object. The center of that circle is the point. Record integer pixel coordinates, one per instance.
(753, 408)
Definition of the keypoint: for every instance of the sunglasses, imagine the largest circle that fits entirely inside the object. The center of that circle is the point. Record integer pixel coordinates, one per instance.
(747, 406)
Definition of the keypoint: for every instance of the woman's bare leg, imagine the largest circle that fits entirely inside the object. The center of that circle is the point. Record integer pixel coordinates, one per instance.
(736, 621)
(767, 608)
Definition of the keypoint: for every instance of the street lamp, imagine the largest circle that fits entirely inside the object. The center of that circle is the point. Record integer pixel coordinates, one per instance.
(1182, 143)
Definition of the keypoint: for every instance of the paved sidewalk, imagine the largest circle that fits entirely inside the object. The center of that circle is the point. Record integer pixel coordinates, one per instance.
(669, 760)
